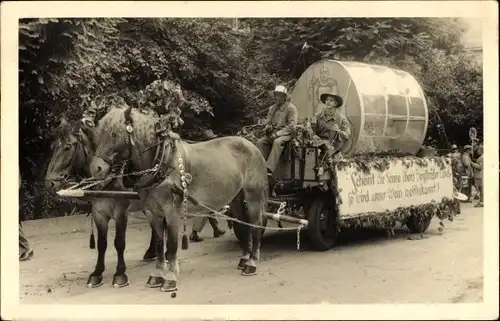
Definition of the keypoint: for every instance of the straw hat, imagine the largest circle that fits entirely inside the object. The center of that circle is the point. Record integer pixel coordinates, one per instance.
(208, 134)
(331, 93)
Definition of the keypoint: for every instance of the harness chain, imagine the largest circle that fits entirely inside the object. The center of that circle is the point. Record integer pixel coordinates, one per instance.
(185, 180)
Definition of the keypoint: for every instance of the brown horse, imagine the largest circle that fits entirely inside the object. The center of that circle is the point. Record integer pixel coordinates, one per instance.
(73, 149)
(227, 170)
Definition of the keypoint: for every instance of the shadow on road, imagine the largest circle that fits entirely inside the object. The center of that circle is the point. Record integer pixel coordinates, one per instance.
(286, 241)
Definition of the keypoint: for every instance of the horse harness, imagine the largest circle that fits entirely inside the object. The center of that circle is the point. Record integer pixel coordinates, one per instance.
(79, 146)
(166, 151)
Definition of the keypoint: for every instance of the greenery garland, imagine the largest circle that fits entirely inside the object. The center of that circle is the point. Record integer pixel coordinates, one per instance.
(381, 162)
(446, 209)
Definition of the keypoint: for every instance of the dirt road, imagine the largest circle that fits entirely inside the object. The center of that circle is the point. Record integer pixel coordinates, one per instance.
(366, 267)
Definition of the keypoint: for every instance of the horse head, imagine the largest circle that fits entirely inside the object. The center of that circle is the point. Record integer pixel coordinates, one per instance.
(72, 151)
(124, 135)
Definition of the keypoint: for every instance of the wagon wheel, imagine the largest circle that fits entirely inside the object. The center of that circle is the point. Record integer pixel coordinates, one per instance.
(418, 226)
(322, 227)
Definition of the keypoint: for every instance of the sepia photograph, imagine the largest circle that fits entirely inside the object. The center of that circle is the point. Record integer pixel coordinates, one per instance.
(338, 160)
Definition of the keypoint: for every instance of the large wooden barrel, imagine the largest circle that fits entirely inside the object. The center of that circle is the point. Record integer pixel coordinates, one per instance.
(386, 107)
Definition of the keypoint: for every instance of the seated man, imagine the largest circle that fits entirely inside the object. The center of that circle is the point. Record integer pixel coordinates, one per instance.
(280, 123)
(332, 127)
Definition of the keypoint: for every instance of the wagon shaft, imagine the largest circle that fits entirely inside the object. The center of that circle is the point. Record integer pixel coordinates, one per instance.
(99, 194)
(285, 218)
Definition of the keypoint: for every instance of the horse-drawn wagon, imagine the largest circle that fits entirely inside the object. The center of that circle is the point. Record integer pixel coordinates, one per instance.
(379, 181)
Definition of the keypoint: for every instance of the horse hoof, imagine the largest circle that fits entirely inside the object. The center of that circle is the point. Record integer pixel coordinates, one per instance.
(242, 264)
(149, 257)
(249, 270)
(95, 281)
(169, 286)
(120, 281)
(155, 281)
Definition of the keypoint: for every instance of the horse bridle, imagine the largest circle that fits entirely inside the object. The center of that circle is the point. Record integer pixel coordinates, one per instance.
(79, 145)
(161, 147)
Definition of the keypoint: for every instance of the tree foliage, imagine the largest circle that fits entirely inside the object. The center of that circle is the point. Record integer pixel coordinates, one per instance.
(66, 64)
(429, 49)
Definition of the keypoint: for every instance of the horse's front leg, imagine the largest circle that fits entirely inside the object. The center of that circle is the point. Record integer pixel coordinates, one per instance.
(150, 254)
(101, 214)
(173, 221)
(120, 279)
(157, 224)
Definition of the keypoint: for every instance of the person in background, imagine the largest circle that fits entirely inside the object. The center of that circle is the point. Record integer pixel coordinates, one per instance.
(25, 250)
(456, 168)
(454, 152)
(474, 157)
(280, 124)
(478, 175)
(199, 222)
(332, 127)
(468, 170)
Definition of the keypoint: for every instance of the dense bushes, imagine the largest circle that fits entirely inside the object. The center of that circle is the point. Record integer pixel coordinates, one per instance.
(66, 63)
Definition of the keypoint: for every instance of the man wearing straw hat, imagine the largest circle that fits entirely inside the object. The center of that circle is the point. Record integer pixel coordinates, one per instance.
(332, 127)
(280, 124)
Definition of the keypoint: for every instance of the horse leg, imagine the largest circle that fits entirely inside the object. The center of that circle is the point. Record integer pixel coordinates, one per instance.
(254, 212)
(101, 219)
(157, 224)
(150, 254)
(173, 221)
(120, 279)
(239, 212)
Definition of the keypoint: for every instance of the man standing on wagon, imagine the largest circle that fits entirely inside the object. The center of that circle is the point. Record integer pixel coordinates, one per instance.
(332, 127)
(280, 124)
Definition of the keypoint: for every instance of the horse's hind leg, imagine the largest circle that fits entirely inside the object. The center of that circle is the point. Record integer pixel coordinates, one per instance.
(254, 212)
(101, 214)
(239, 212)
(120, 279)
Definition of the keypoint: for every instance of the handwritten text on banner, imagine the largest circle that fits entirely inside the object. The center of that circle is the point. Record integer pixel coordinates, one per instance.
(395, 187)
